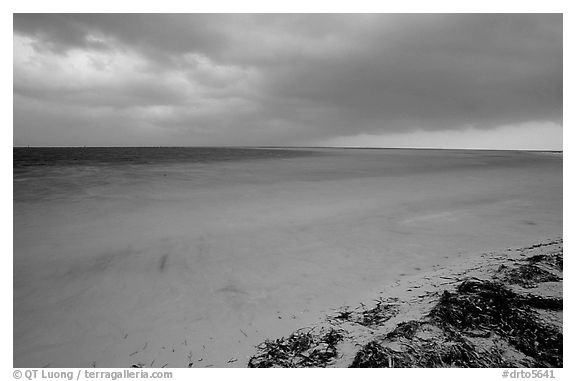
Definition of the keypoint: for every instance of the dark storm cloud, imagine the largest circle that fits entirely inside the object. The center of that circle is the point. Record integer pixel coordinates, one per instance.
(458, 70)
(285, 79)
(149, 32)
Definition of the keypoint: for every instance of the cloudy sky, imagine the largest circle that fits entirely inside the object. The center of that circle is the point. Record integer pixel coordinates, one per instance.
(468, 81)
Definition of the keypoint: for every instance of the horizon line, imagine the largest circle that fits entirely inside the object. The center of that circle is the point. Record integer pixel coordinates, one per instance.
(299, 147)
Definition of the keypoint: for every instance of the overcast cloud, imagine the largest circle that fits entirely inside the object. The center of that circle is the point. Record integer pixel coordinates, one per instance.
(287, 79)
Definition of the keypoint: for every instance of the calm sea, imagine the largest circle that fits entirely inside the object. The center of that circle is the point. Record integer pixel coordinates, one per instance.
(146, 255)
(66, 156)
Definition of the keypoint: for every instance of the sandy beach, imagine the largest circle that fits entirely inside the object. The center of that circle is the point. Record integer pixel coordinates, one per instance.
(195, 265)
(499, 309)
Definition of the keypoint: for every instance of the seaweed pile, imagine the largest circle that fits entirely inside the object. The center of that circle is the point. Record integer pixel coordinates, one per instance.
(384, 310)
(553, 260)
(528, 275)
(407, 349)
(499, 322)
(300, 349)
(481, 324)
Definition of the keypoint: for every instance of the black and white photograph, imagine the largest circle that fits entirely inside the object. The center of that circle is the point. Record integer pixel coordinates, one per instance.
(287, 190)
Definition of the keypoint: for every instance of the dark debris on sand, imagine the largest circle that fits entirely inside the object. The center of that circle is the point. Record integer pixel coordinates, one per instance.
(300, 349)
(554, 260)
(454, 351)
(528, 275)
(491, 307)
(477, 325)
(480, 323)
(384, 310)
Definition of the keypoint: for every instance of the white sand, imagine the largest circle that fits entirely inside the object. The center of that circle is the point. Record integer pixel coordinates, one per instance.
(116, 266)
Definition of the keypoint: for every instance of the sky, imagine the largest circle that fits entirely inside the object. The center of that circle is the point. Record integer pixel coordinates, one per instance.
(379, 80)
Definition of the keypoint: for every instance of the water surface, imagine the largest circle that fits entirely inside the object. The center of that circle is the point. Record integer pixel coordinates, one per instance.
(162, 255)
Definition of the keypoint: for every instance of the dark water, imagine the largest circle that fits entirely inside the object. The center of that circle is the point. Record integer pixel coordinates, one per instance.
(45, 174)
(66, 156)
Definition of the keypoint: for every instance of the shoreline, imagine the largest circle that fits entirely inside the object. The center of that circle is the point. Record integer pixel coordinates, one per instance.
(186, 263)
(500, 309)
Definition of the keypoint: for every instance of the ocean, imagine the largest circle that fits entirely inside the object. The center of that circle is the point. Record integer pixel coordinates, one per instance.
(67, 156)
(174, 256)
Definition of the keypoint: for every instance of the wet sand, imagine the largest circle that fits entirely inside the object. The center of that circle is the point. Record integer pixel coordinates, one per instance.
(198, 263)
